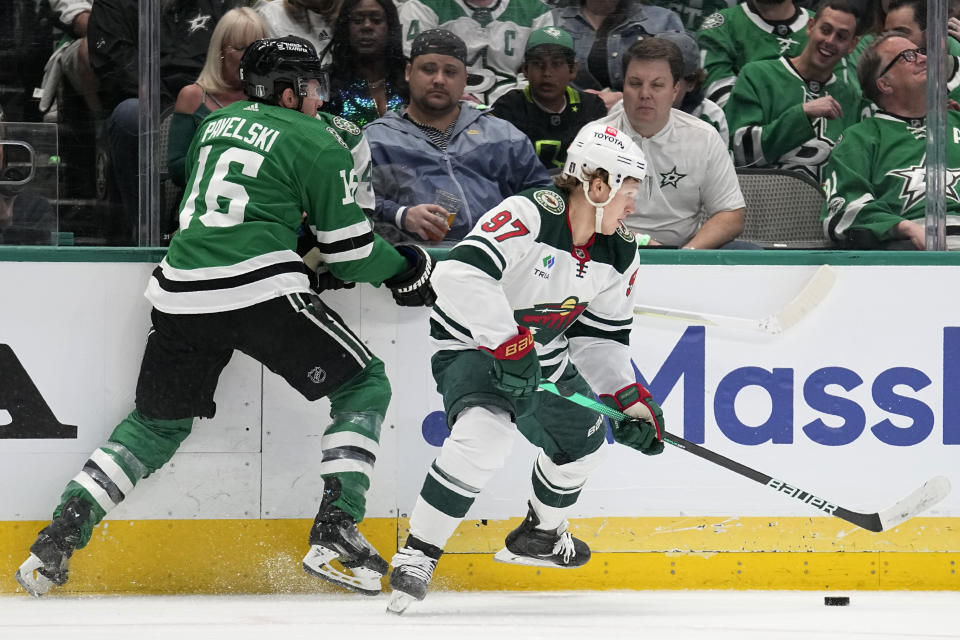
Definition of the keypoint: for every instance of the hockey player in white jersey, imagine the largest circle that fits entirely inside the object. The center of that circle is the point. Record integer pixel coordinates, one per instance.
(542, 288)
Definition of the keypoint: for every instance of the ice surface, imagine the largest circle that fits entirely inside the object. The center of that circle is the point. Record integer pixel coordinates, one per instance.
(581, 615)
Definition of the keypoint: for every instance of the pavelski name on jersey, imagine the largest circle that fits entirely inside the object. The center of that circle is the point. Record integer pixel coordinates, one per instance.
(256, 134)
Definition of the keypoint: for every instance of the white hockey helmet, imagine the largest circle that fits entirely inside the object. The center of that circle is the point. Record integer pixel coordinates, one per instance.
(600, 146)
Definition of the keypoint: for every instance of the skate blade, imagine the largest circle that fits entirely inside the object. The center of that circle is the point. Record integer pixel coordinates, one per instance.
(399, 601)
(29, 577)
(319, 563)
(508, 557)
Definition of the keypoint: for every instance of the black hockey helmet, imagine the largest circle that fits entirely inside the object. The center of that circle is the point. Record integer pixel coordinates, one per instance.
(272, 64)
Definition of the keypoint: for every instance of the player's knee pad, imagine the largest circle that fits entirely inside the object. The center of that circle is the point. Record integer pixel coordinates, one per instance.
(570, 474)
(151, 441)
(369, 390)
(478, 446)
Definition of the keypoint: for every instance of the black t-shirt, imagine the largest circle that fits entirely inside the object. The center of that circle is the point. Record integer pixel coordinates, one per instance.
(550, 133)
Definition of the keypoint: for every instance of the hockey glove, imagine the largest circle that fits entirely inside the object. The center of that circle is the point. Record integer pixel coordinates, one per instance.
(320, 277)
(412, 288)
(643, 429)
(516, 368)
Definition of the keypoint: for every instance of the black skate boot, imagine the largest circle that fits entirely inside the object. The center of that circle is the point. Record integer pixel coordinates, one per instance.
(541, 548)
(413, 567)
(335, 537)
(49, 560)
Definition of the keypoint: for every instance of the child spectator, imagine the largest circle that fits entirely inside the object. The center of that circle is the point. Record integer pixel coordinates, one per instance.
(548, 110)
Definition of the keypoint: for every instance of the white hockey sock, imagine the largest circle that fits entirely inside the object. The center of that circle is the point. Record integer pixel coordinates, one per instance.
(557, 487)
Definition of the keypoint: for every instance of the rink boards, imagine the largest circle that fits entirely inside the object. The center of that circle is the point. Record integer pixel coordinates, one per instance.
(858, 403)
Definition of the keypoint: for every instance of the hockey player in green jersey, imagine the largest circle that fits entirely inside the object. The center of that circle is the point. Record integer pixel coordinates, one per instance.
(876, 177)
(542, 288)
(232, 280)
(788, 113)
(753, 30)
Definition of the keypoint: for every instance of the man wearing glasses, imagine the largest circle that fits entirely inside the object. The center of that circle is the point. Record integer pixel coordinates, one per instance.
(876, 177)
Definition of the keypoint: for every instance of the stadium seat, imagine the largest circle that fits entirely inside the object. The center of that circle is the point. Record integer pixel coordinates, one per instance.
(783, 209)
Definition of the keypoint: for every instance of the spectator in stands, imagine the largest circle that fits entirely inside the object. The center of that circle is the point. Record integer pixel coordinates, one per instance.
(694, 12)
(602, 32)
(756, 30)
(953, 10)
(548, 110)
(789, 113)
(185, 30)
(495, 33)
(25, 218)
(876, 177)
(442, 163)
(217, 85)
(366, 77)
(691, 176)
(309, 19)
(25, 45)
(910, 18)
(691, 98)
(72, 57)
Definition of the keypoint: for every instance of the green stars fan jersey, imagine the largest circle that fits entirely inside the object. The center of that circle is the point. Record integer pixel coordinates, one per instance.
(693, 12)
(731, 38)
(254, 170)
(770, 129)
(519, 267)
(876, 177)
(495, 36)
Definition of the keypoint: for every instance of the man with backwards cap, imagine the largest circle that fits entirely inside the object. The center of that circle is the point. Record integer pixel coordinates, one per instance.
(549, 110)
(439, 165)
(543, 287)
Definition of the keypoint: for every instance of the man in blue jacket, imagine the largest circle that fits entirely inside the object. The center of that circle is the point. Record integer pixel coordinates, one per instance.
(442, 163)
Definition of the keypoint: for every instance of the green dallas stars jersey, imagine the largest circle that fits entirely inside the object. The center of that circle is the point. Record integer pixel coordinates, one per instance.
(495, 36)
(519, 267)
(731, 38)
(693, 12)
(876, 177)
(769, 127)
(254, 170)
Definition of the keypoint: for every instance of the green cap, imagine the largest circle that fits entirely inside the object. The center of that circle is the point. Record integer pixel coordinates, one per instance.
(549, 35)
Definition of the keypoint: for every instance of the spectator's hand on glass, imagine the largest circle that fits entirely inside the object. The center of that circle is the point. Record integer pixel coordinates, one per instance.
(953, 28)
(953, 105)
(609, 97)
(825, 107)
(429, 221)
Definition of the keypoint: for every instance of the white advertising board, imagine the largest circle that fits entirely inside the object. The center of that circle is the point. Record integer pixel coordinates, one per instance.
(859, 402)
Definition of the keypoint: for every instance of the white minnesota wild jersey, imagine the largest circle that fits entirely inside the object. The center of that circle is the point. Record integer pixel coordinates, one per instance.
(519, 266)
(495, 36)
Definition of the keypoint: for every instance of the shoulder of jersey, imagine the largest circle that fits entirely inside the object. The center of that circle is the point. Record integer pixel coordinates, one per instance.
(715, 20)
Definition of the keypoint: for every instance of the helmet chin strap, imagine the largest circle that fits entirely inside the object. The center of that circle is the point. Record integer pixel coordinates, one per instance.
(599, 205)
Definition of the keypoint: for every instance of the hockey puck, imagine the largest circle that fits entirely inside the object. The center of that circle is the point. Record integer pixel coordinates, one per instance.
(836, 601)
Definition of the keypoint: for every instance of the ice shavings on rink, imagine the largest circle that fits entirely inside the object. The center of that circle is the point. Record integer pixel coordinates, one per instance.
(651, 615)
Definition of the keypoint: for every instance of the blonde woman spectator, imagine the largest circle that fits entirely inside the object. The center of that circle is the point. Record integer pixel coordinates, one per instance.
(309, 19)
(217, 85)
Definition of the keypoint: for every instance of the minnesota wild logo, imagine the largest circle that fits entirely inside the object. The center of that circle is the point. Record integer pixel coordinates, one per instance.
(550, 200)
(549, 320)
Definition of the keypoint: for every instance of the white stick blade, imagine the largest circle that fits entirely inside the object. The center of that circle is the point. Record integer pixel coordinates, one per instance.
(812, 294)
(932, 492)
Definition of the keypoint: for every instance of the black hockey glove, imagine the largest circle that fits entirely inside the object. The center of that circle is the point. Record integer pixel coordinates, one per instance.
(412, 288)
(643, 429)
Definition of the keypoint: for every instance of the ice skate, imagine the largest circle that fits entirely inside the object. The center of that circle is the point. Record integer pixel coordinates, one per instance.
(338, 551)
(49, 561)
(534, 547)
(411, 575)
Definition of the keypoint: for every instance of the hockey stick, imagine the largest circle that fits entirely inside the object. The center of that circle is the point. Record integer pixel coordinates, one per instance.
(932, 491)
(809, 297)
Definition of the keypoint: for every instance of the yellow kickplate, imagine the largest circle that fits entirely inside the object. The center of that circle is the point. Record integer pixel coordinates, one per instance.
(264, 556)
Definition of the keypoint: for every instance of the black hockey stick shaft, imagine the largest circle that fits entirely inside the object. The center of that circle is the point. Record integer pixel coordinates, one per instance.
(868, 521)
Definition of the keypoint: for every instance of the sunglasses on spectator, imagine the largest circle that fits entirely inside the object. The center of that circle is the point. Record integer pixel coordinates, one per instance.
(910, 55)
